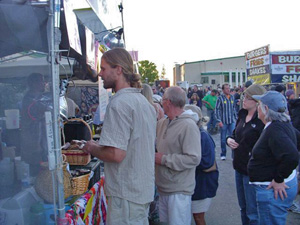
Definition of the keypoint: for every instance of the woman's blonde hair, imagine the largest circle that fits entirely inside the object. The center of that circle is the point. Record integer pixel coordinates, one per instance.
(197, 96)
(120, 57)
(147, 92)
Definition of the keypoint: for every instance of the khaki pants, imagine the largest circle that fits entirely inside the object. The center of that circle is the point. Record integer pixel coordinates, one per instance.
(123, 212)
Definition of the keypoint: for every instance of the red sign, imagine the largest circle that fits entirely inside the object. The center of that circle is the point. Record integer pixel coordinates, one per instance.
(285, 59)
(257, 52)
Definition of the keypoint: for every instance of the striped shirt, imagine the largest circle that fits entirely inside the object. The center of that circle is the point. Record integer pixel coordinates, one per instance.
(225, 110)
(130, 124)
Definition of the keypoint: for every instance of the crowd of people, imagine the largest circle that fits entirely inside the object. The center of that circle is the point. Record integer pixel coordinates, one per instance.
(154, 144)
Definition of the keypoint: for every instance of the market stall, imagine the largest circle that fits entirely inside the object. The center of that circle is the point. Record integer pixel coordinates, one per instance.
(36, 56)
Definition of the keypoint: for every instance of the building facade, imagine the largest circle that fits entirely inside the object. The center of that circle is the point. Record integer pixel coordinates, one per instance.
(213, 72)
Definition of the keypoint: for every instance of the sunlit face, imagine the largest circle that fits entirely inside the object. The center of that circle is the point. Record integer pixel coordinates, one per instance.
(226, 90)
(108, 75)
(249, 103)
(165, 104)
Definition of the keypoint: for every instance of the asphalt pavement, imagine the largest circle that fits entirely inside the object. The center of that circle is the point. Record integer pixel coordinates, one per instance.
(224, 209)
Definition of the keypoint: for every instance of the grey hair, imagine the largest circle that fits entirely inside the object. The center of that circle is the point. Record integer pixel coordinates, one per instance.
(176, 95)
(271, 115)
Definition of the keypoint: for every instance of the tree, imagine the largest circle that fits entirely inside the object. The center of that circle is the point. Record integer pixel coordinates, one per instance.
(148, 71)
(163, 73)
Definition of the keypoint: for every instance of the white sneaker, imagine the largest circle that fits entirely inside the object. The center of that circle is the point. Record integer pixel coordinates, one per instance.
(223, 157)
(295, 208)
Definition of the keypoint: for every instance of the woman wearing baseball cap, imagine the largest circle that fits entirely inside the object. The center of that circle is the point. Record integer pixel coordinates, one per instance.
(247, 131)
(272, 166)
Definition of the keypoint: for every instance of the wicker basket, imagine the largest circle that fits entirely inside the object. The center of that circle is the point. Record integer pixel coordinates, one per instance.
(80, 184)
(72, 133)
(44, 184)
(77, 157)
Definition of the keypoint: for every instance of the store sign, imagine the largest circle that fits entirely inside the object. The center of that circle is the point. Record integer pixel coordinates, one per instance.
(90, 49)
(72, 27)
(285, 78)
(285, 64)
(288, 69)
(258, 70)
(261, 79)
(285, 67)
(257, 53)
(285, 59)
(258, 61)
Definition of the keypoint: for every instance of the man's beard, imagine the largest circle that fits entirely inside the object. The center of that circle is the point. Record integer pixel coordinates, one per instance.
(109, 84)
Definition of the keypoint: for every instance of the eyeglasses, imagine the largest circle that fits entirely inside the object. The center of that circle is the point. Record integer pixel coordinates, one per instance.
(249, 98)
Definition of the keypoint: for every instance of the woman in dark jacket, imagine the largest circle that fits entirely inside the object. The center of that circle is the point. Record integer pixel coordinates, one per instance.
(247, 131)
(207, 173)
(272, 166)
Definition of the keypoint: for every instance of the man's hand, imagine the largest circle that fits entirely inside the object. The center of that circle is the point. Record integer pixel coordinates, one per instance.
(279, 188)
(232, 143)
(104, 153)
(90, 146)
(158, 158)
(220, 124)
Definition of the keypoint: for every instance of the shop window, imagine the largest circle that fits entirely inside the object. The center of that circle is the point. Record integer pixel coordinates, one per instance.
(226, 78)
(213, 81)
(204, 80)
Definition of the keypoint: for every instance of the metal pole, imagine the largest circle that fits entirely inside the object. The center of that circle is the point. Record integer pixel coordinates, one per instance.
(54, 53)
(121, 11)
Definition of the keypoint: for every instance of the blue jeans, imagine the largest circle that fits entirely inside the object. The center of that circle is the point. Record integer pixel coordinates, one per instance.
(226, 129)
(247, 199)
(271, 211)
(212, 119)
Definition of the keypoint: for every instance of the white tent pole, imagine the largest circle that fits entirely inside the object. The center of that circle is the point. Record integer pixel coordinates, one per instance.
(54, 17)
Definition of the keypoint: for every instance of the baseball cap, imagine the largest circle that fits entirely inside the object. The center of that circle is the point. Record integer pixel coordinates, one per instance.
(274, 100)
(255, 89)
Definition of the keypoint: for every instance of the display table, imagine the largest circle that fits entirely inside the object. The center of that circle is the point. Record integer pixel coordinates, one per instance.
(90, 208)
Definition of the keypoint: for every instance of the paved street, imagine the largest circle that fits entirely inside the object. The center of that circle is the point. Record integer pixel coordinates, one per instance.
(224, 209)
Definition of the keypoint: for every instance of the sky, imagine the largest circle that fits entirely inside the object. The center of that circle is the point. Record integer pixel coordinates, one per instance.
(169, 31)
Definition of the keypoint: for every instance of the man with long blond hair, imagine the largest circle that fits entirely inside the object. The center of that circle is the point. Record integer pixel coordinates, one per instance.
(126, 143)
